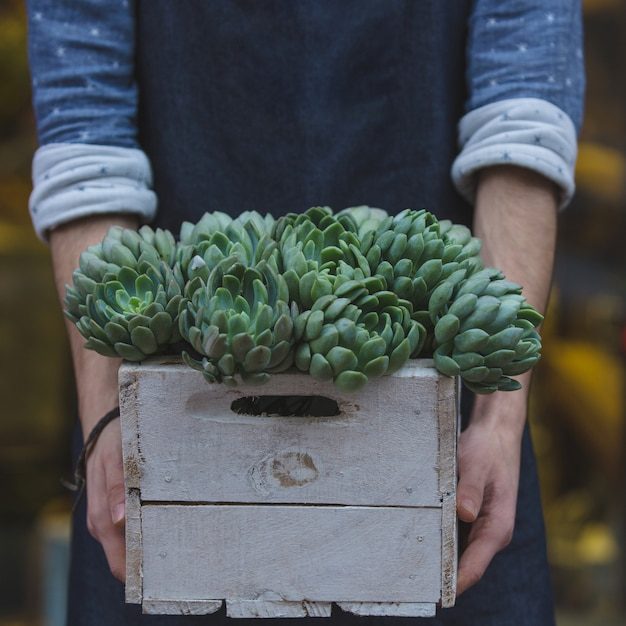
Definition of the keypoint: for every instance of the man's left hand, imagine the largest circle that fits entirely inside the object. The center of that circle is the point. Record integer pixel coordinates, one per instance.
(489, 468)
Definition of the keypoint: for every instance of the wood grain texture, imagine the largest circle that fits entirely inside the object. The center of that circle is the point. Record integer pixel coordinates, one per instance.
(381, 450)
(130, 437)
(448, 392)
(293, 553)
(180, 607)
(128, 379)
(391, 609)
(277, 608)
(134, 552)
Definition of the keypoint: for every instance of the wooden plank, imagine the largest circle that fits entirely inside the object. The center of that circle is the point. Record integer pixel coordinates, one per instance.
(390, 609)
(130, 436)
(448, 390)
(128, 380)
(134, 582)
(180, 607)
(277, 608)
(381, 449)
(293, 553)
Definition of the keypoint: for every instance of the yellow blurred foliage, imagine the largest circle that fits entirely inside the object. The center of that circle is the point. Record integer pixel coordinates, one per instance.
(601, 170)
(13, 60)
(597, 6)
(587, 383)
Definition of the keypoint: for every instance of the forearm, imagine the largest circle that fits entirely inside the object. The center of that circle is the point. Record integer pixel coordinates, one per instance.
(516, 218)
(96, 375)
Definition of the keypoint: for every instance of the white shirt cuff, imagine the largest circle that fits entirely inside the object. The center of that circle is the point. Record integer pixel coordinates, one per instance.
(528, 132)
(72, 180)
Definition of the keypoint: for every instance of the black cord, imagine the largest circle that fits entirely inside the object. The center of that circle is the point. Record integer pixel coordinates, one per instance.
(80, 473)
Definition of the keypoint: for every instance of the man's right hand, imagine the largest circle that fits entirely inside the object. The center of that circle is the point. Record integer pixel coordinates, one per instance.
(97, 389)
(105, 497)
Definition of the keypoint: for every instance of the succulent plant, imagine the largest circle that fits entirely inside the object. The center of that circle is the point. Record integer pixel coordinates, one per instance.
(485, 333)
(362, 219)
(125, 294)
(345, 296)
(355, 333)
(132, 315)
(240, 322)
(316, 241)
(216, 237)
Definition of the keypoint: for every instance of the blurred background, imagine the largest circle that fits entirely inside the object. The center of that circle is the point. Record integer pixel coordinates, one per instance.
(577, 408)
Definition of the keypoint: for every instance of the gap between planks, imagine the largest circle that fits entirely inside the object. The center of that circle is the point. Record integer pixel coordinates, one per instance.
(283, 504)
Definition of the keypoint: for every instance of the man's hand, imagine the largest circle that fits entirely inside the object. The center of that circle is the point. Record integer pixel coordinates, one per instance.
(105, 497)
(96, 385)
(489, 462)
(515, 216)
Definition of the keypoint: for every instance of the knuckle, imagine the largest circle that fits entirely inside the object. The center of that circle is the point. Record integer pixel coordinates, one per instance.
(117, 571)
(115, 489)
(91, 527)
(473, 576)
(507, 537)
(111, 458)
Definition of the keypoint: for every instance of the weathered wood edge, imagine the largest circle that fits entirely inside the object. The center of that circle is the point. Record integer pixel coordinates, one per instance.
(132, 473)
(180, 607)
(448, 390)
(129, 414)
(277, 608)
(134, 551)
(164, 362)
(391, 609)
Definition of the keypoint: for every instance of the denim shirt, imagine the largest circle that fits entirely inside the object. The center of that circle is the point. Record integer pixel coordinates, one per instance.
(524, 80)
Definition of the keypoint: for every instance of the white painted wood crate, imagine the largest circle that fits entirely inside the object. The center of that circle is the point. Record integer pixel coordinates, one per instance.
(281, 516)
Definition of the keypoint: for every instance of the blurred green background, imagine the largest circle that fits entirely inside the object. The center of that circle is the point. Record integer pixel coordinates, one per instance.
(577, 407)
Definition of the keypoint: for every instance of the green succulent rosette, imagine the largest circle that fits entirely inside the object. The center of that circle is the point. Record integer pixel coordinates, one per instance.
(121, 247)
(217, 221)
(415, 253)
(132, 315)
(238, 322)
(316, 243)
(486, 333)
(217, 237)
(125, 294)
(354, 332)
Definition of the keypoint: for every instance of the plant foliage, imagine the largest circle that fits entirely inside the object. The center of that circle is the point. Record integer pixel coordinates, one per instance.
(346, 296)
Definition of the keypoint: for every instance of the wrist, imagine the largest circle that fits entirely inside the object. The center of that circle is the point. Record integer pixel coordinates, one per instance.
(504, 411)
(97, 387)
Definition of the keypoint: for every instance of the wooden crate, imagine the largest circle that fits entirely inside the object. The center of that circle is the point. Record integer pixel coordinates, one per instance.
(281, 516)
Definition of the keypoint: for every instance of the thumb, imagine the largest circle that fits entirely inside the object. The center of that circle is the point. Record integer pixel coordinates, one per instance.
(470, 490)
(115, 493)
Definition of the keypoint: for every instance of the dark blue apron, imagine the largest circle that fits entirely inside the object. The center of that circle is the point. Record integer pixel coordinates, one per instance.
(282, 105)
(279, 105)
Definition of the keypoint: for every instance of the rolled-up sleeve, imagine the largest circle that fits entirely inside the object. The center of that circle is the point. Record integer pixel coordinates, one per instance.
(525, 82)
(81, 55)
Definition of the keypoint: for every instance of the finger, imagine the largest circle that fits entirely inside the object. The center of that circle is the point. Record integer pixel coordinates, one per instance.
(114, 478)
(490, 533)
(474, 561)
(97, 504)
(112, 540)
(100, 523)
(470, 489)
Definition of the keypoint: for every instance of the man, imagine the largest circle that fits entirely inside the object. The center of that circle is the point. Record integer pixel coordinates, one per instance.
(278, 106)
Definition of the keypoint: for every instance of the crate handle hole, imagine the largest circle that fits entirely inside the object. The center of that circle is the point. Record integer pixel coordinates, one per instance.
(286, 406)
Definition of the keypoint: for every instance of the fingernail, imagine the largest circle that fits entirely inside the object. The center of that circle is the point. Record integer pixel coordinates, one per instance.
(118, 513)
(470, 507)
